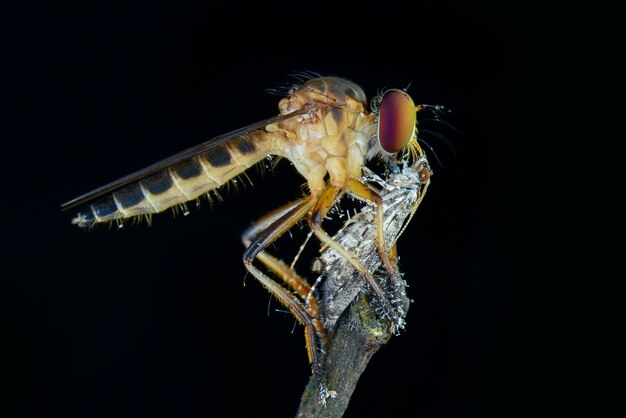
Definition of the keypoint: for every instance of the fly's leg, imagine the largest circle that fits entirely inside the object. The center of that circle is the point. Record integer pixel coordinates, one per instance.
(288, 275)
(362, 191)
(316, 342)
(393, 254)
(398, 297)
(302, 288)
(394, 280)
(263, 234)
(323, 205)
(299, 311)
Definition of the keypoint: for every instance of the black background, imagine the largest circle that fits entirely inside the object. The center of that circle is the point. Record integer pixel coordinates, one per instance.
(156, 321)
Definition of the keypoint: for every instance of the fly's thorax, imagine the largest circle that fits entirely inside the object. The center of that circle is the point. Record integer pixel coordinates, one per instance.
(332, 91)
(325, 141)
(310, 161)
(346, 144)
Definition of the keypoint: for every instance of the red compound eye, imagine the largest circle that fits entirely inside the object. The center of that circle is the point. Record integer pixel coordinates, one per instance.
(396, 121)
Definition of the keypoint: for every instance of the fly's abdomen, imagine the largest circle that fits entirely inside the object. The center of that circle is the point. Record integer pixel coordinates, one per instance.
(179, 183)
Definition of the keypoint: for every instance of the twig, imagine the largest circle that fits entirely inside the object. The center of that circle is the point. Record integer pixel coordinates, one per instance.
(358, 335)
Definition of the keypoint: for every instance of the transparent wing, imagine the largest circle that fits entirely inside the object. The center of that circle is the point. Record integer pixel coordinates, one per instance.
(176, 158)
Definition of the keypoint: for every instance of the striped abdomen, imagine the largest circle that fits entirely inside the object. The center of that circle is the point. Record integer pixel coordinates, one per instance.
(184, 181)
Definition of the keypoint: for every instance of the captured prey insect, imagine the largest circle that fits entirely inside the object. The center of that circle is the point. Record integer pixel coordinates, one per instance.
(402, 189)
(323, 129)
(402, 192)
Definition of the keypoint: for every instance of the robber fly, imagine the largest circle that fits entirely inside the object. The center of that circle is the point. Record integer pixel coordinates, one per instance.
(324, 129)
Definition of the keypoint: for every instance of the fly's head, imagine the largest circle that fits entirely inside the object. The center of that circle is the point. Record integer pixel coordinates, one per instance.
(395, 126)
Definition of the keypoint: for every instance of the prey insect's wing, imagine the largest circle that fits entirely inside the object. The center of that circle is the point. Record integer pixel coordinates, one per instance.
(177, 158)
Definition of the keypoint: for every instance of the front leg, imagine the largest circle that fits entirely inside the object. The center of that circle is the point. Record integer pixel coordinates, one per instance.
(323, 205)
(362, 191)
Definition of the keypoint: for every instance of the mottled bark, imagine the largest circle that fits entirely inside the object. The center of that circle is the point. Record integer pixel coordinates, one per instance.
(358, 335)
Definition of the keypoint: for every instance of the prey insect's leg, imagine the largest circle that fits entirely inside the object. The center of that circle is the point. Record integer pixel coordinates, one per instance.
(276, 224)
(416, 205)
(324, 203)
